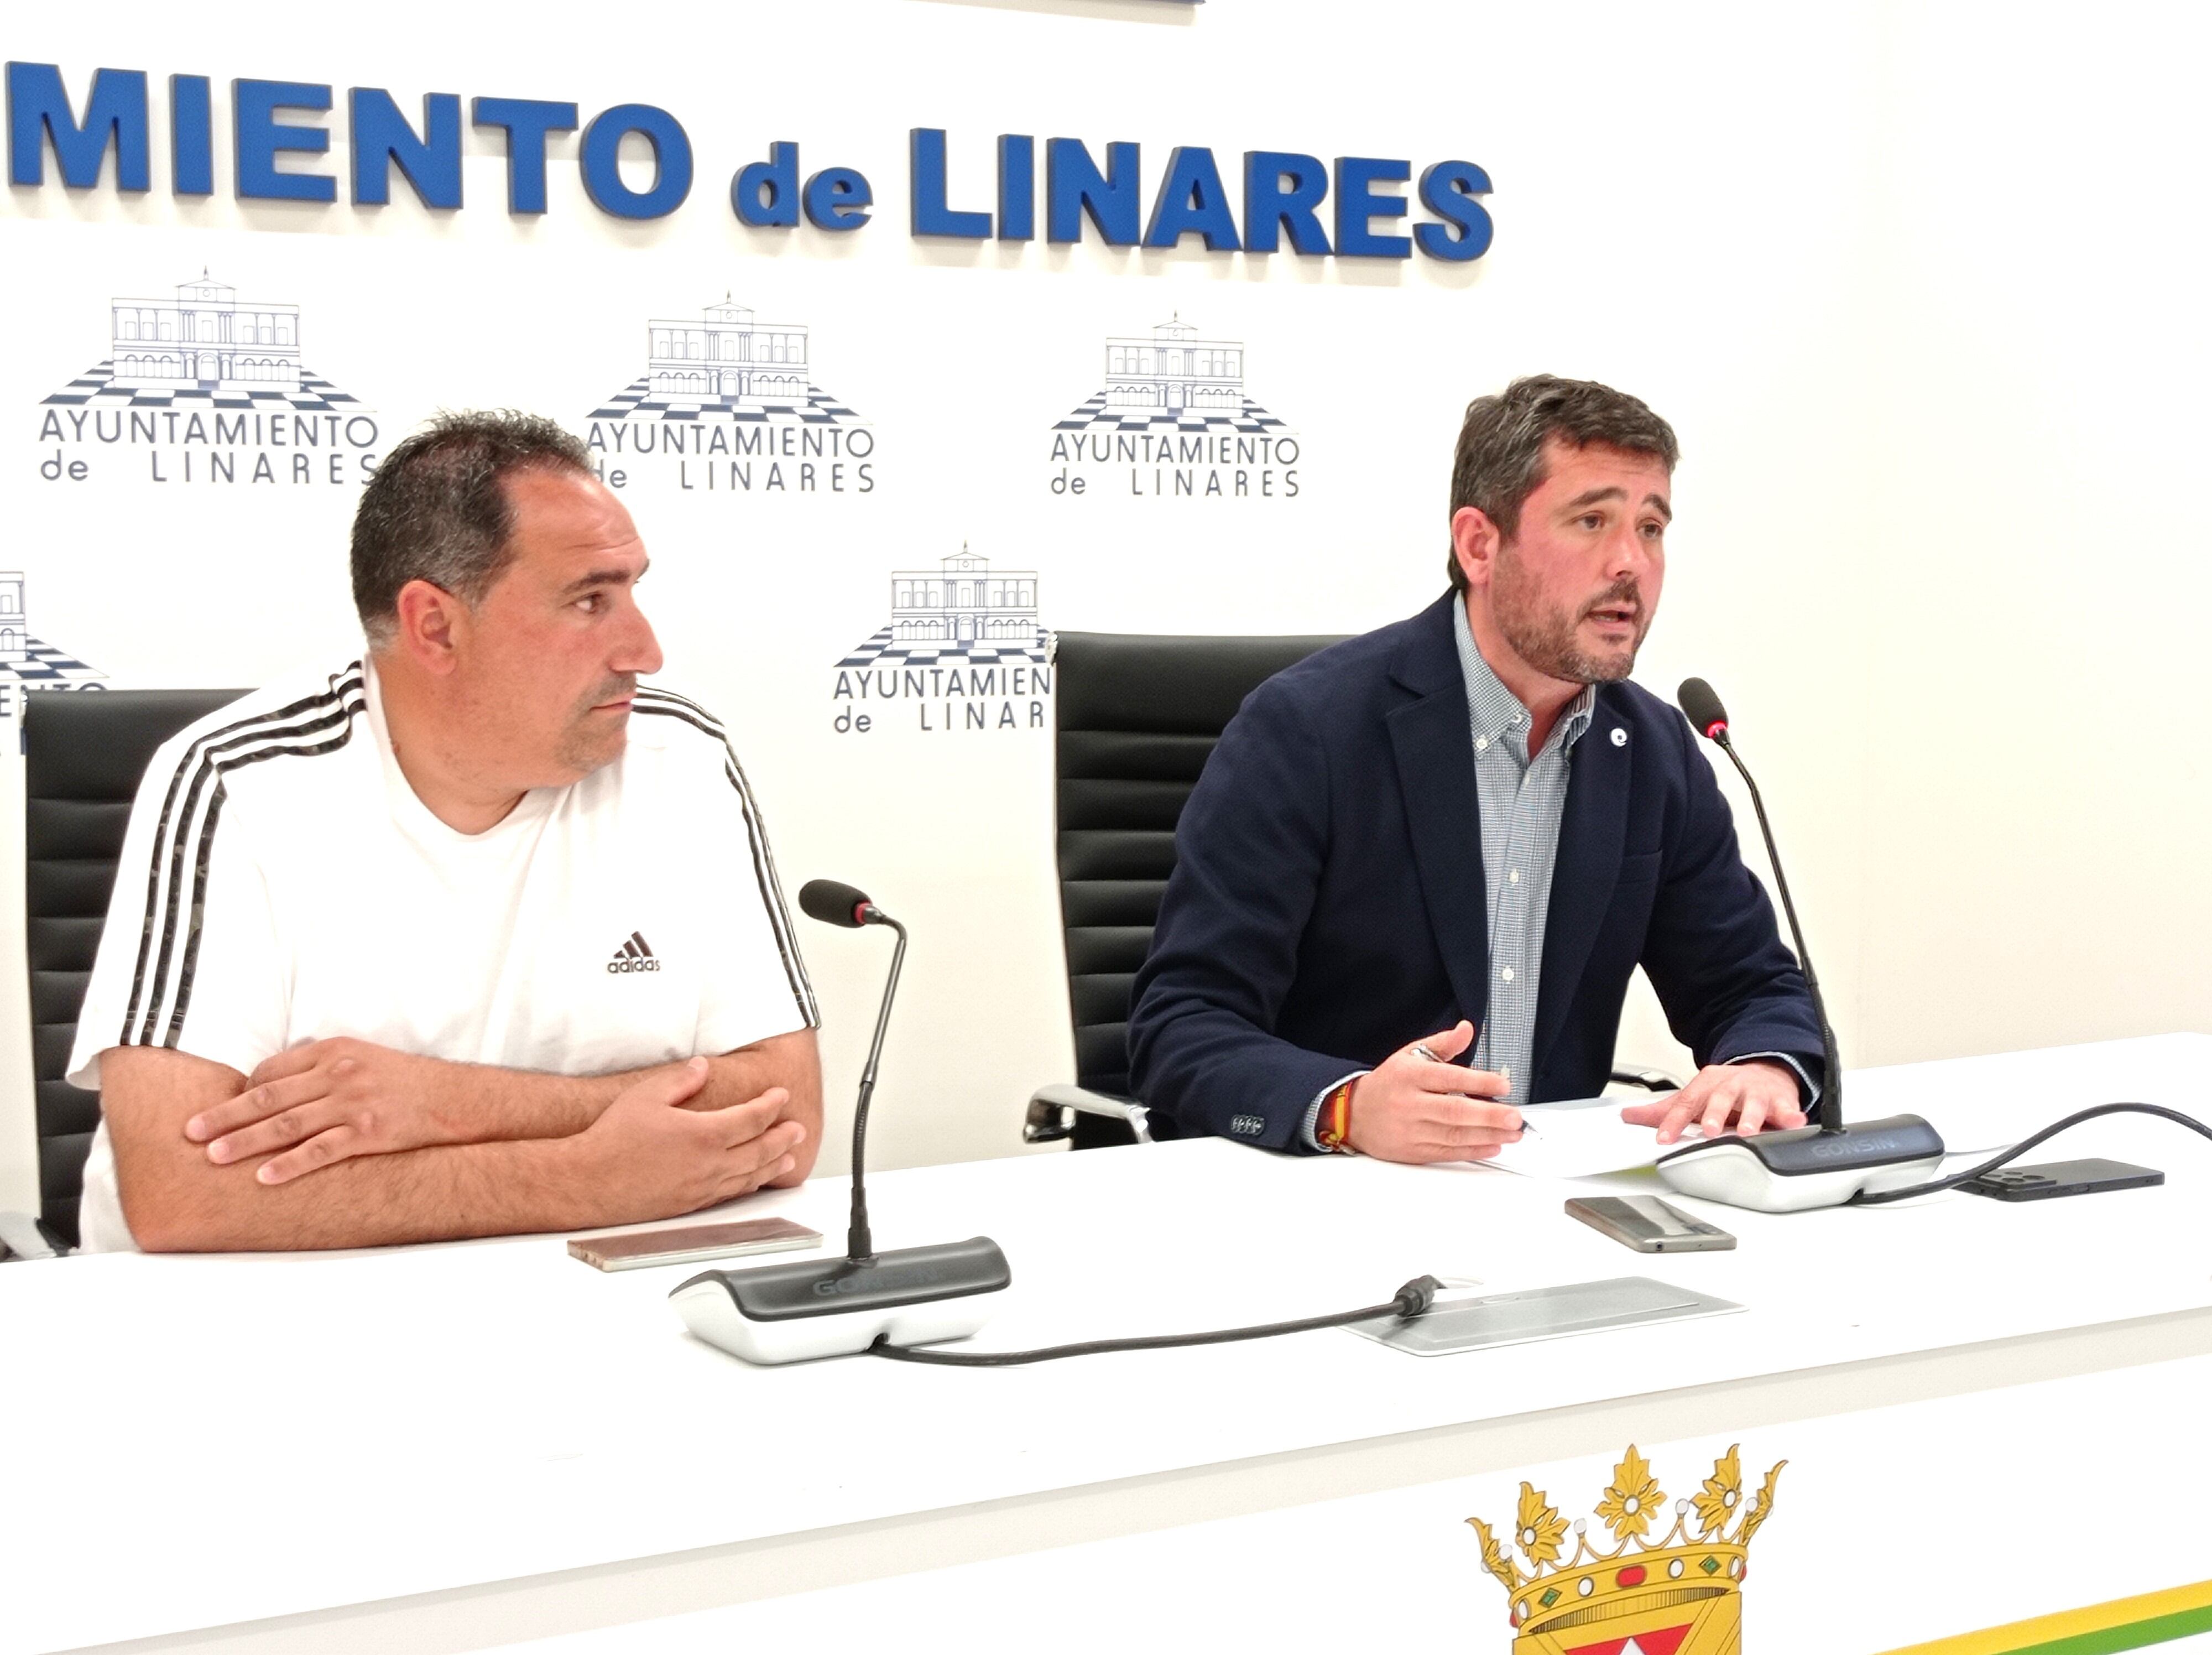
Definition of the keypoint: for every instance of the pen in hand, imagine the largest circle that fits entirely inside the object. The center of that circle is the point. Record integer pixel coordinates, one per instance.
(1421, 1050)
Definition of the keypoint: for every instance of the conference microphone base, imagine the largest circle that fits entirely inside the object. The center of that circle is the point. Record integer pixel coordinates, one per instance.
(1807, 1167)
(811, 1308)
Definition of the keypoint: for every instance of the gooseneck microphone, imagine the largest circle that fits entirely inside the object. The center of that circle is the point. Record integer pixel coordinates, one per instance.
(1822, 1166)
(887, 1303)
(836, 1307)
(841, 904)
(1701, 706)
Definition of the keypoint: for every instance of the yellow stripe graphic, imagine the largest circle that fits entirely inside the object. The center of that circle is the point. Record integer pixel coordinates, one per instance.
(2063, 1628)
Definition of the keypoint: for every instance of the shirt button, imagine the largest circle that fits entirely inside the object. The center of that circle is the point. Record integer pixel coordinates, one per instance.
(1507, 974)
(1515, 876)
(1482, 744)
(1506, 1074)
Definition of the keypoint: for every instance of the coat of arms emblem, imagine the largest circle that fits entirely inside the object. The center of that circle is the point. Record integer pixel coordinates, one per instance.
(1682, 1594)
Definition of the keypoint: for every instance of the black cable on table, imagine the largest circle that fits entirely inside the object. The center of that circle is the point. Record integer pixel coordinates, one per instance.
(2026, 1144)
(1416, 1296)
(1412, 1299)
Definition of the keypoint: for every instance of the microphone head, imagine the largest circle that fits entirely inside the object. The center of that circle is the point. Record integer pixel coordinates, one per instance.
(1702, 707)
(834, 904)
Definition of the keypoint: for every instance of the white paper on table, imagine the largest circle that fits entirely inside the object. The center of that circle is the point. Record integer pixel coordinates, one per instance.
(1577, 1137)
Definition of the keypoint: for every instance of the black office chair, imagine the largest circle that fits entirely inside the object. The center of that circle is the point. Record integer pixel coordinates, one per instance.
(83, 754)
(1137, 716)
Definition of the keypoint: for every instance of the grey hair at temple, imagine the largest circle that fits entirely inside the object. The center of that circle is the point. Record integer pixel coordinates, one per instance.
(1500, 462)
(437, 509)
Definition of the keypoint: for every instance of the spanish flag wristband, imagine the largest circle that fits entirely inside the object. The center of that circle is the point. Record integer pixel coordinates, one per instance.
(1332, 1126)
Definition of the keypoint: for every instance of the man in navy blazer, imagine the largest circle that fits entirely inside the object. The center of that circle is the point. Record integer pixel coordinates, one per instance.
(1415, 876)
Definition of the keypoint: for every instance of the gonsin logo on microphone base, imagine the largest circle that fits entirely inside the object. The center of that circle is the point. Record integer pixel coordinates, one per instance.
(1860, 1144)
(921, 1278)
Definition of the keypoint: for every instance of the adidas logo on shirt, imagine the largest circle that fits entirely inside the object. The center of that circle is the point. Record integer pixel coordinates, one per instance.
(635, 955)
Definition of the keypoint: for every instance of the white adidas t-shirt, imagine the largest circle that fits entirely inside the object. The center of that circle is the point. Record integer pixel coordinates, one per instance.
(281, 883)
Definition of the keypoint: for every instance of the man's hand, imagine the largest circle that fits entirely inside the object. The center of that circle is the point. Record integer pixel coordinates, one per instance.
(1409, 1108)
(328, 1100)
(1744, 1097)
(647, 1156)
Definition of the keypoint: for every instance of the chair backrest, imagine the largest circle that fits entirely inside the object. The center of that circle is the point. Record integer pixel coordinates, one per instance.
(1138, 714)
(84, 753)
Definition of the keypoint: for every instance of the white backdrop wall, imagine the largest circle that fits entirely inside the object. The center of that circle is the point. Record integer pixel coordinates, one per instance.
(2035, 860)
(1915, 285)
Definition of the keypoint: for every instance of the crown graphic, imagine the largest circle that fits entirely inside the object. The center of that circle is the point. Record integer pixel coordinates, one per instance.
(1680, 1595)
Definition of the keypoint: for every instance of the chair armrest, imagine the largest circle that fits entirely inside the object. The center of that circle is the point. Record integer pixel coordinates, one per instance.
(1053, 1110)
(22, 1236)
(1649, 1079)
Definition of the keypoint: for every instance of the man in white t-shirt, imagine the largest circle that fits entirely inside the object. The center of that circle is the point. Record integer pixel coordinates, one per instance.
(474, 936)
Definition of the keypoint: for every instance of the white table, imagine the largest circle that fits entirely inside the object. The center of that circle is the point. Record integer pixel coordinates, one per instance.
(1893, 1528)
(444, 1448)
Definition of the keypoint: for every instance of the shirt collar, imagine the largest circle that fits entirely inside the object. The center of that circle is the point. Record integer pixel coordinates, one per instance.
(1495, 711)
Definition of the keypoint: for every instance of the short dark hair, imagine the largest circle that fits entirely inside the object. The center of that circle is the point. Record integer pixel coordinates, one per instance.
(1500, 462)
(437, 510)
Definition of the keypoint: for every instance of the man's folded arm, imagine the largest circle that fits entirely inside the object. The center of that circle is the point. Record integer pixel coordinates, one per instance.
(1250, 849)
(1714, 953)
(328, 1100)
(645, 1155)
(511, 1104)
(529, 1105)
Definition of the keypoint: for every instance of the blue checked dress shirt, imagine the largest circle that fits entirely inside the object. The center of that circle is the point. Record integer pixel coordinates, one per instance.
(1521, 798)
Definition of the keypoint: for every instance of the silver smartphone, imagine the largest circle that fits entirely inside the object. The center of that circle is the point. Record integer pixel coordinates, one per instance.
(1649, 1225)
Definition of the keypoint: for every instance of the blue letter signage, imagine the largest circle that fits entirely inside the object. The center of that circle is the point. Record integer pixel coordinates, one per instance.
(1091, 192)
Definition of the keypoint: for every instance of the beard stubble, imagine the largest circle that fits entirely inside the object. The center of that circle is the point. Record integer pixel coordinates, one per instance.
(1544, 636)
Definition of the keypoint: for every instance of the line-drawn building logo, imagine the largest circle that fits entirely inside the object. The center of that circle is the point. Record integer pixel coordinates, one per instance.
(26, 662)
(1175, 381)
(964, 609)
(726, 363)
(205, 390)
(963, 650)
(1174, 420)
(727, 404)
(204, 348)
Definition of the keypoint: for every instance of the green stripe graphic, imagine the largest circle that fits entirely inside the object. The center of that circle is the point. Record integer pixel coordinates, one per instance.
(2137, 1634)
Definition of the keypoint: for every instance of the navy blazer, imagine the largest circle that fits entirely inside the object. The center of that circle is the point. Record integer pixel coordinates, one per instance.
(1327, 906)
